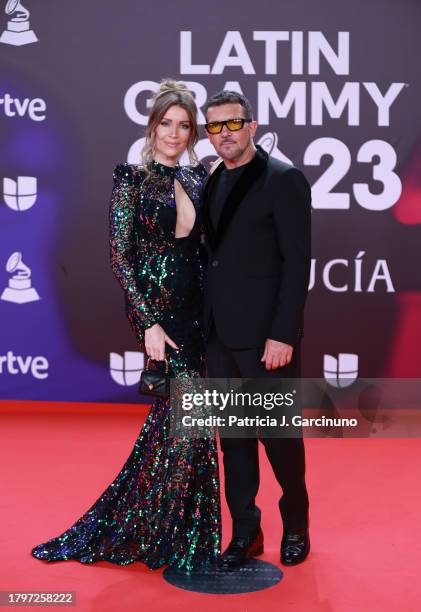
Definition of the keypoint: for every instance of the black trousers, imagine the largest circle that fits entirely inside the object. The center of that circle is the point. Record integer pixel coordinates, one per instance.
(241, 460)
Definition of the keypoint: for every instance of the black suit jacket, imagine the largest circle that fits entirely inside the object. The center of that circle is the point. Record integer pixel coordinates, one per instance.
(259, 256)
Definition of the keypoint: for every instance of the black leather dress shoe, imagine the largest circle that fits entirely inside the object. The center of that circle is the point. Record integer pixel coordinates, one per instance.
(295, 547)
(241, 549)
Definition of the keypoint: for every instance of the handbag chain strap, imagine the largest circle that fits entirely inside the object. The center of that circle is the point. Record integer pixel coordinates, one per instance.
(166, 364)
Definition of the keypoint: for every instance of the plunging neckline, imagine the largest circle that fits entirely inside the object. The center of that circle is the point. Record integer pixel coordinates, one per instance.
(171, 172)
(176, 211)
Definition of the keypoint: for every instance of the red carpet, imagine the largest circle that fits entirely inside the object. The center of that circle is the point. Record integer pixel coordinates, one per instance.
(365, 508)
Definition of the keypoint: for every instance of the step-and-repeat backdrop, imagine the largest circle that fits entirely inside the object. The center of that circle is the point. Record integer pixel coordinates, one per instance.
(336, 90)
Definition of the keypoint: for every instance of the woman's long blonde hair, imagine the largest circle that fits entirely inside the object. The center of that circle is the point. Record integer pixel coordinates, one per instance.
(171, 93)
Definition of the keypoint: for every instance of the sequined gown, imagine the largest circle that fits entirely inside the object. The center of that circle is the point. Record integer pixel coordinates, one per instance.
(163, 507)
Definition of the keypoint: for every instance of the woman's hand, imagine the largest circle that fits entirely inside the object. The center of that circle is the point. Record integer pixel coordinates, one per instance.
(155, 339)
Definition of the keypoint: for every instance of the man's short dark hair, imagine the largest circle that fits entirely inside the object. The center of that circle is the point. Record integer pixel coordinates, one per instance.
(229, 97)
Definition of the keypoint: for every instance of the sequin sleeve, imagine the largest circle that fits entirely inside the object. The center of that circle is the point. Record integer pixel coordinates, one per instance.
(124, 255)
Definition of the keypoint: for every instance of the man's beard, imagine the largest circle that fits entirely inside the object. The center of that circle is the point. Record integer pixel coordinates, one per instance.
(232, 153)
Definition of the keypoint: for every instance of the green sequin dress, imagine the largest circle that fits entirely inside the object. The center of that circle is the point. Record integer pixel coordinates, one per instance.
(164, 505)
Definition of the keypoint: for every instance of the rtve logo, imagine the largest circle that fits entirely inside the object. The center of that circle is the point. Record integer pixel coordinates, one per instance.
(340, 372)
(126, 370)
(14, 107)
(16, 364)
(21, 194)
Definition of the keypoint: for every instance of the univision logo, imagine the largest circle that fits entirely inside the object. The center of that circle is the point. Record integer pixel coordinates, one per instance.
(340, 372)
(20, 195)
(126, 370)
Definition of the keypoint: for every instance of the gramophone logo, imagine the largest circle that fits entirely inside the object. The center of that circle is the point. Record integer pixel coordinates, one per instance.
(126, 370)
(20, 195)
(340, 372)
(19, 290)
(18, 31)
(269, 142)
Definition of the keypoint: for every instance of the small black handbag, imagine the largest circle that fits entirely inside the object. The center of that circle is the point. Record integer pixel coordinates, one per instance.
(154, 383)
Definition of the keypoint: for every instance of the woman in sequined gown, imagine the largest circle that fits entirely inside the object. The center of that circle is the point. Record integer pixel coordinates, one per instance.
(163, 507)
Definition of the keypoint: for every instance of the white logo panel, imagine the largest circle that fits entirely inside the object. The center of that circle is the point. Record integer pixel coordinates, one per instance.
(19, 290)
(126, 370)
(342, 371)
(18, 31)
(20, 195)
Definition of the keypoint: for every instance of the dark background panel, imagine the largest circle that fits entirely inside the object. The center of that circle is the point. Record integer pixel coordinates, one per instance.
(87, 57)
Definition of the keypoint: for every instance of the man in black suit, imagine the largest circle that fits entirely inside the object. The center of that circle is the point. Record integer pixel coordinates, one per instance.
(257, 225)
